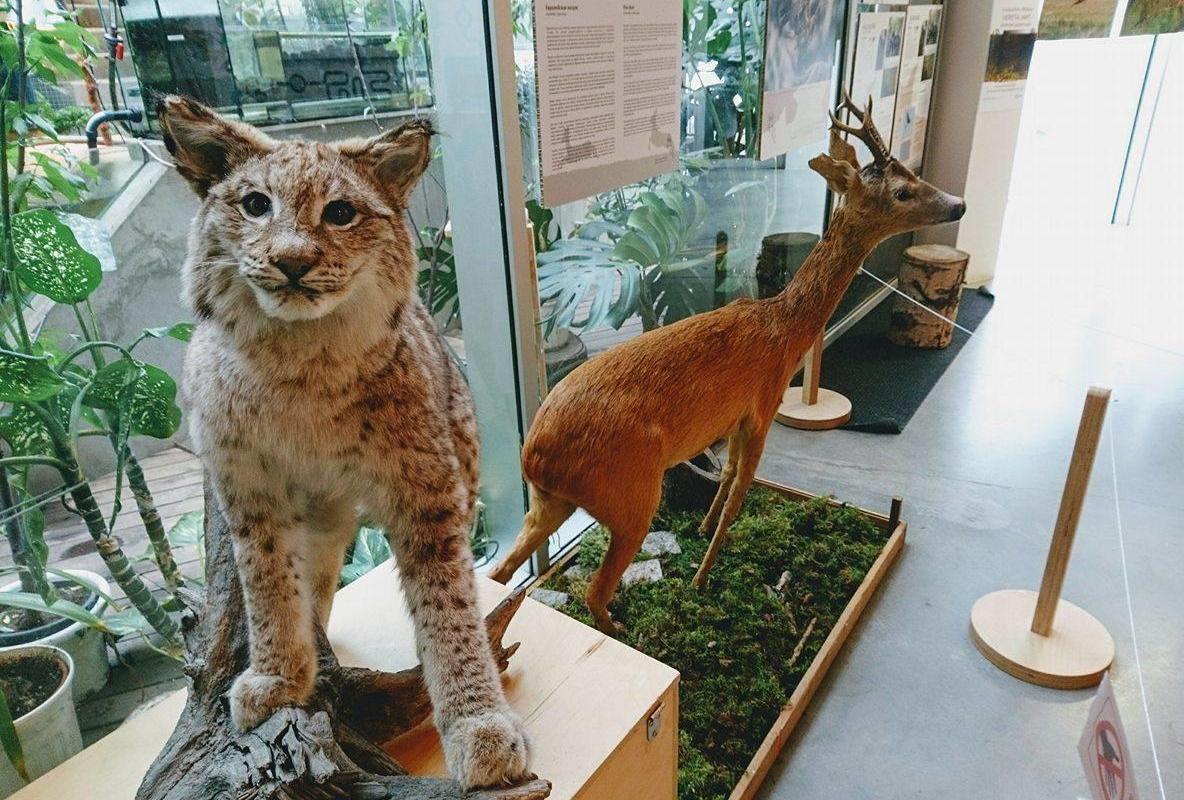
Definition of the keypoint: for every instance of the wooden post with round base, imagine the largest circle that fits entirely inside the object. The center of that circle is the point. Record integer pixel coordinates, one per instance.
(1038, 637)
(808, 407)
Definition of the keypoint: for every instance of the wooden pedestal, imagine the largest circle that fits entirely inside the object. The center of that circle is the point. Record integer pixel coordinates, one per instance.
(603, 718)
(809, 407)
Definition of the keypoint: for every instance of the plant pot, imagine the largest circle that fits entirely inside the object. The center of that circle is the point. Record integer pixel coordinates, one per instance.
(563, 352)
(85, 645)
(49, 733)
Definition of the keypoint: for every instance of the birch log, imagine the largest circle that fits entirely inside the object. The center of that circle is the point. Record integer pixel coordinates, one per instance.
(932, 275)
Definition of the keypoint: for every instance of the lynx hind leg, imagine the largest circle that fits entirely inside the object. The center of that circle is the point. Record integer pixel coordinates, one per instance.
(484, 741)
(547, 512)
(278, 604)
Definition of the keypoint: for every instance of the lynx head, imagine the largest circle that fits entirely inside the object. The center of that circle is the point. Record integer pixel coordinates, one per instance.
(293, 228)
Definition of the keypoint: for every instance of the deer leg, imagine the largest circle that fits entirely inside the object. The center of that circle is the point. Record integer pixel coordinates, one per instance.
(746, 461)
(725, 483)
(623, 546)
(547, 512)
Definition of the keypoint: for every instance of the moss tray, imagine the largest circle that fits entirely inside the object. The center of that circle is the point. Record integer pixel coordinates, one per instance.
(752, 649)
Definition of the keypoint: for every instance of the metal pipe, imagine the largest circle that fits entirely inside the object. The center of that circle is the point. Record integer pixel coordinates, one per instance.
(92, 127)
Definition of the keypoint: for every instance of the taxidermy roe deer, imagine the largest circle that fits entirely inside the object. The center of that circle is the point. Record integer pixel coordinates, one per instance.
(608, 431)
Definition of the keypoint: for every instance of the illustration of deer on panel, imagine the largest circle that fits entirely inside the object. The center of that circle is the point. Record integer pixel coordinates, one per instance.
(608, 431)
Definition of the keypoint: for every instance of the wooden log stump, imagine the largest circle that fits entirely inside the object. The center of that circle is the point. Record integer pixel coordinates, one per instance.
(326, 749)
(781, 255)
(931, 274)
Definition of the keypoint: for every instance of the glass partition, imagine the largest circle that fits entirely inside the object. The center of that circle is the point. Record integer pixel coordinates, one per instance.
(282, 60)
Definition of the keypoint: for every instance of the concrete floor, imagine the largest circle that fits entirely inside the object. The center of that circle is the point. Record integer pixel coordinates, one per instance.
(911, 709)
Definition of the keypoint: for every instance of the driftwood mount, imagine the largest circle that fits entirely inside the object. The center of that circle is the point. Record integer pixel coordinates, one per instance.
(324, 750)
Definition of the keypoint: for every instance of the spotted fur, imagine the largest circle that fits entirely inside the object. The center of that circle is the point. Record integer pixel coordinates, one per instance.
(317, 389)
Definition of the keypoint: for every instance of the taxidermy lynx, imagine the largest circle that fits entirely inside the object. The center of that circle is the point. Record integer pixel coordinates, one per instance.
(317, 388)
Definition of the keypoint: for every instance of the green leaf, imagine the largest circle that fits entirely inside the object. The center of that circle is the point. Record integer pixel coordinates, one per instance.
(370, 549)
(188, 531)
(25, 433)
(26, 379)
(49, 260)
(145, 397)
(11, 742)
(181, 331)
(62, 608)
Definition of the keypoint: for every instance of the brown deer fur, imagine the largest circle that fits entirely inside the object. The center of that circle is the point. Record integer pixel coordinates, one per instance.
(608, 431)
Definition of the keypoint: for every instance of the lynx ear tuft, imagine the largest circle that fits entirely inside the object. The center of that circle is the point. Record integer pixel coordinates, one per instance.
(206, 146)
(398, 158)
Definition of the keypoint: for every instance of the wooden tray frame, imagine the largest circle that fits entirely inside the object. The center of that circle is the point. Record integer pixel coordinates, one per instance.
(775, 740)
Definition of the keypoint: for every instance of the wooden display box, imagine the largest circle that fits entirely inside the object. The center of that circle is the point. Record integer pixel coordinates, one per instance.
(603, 718)
(758, 768)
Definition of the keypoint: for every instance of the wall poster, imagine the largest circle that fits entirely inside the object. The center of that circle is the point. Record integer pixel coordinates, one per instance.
(1076, 19)
(1153, 16)
(609, 82)
(922, 31)
(1009, 54)
(801, 45)
(876, 69)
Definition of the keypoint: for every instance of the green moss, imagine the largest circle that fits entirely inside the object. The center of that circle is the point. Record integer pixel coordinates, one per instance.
(734, 644)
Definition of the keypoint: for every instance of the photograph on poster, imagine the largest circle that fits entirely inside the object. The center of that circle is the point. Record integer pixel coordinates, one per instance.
(800, 46)
(1076, 19)
(914, 88)
(1153, 16)
(1009, 55)
(876, 69)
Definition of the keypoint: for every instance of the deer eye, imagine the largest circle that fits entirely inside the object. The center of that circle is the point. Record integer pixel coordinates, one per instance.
(338, 212)
(256, 204)
(904, 195)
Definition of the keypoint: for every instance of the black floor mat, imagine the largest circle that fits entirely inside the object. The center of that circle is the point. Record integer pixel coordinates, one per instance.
(886, 384)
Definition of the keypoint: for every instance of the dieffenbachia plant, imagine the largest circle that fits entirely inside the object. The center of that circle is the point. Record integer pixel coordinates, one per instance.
(55, 393)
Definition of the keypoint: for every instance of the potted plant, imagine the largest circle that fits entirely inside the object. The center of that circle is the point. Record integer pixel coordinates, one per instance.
(60, 387)
(38, 727)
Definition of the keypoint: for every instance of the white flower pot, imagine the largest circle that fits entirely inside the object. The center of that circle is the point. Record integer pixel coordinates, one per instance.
(86, 646)
(49, 734)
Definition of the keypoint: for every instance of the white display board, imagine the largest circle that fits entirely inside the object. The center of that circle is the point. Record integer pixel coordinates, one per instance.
(1009, 54)
(918, 65)
(608, 78)
(801, 39)
(876, 69)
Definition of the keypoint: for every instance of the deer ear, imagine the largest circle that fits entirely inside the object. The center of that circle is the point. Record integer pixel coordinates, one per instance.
(841, 149)
(398, 158)
(205, 146)
(840, 175)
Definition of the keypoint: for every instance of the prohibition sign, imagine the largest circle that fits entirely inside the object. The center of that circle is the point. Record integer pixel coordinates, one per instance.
(1111, 760)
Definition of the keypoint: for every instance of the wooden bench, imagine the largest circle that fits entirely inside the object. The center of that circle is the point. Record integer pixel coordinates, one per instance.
(603, 718)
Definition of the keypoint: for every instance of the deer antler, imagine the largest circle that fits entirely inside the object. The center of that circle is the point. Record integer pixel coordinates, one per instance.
(867, 133)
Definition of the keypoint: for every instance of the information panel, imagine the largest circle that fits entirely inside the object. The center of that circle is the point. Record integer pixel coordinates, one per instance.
(922, 32)
(800, 49)
(1009, 54)
(876, 69)
(608, 77)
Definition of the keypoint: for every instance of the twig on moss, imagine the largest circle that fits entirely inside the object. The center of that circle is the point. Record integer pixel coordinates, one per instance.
(797, 651)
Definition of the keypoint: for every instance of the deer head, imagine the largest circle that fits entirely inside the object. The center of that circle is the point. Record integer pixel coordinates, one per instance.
(884, 194)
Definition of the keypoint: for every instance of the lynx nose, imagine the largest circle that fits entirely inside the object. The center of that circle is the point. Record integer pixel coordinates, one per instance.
(294, 269)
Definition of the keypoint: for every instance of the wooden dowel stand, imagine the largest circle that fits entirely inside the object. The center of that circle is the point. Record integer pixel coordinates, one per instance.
(1064, 647)
(1085, 449)
(815, 409)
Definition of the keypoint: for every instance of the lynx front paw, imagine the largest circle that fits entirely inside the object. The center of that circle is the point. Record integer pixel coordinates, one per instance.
(487, 749)
(254, 697)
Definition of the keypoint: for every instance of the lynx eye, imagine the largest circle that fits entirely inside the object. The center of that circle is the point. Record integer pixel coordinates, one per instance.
(339, 212)
(256, 204)
(904, 195)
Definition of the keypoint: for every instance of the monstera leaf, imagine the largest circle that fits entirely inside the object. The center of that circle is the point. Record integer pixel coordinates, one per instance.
(49, 259)
(574, 270)
(26, 379)
(144, 396)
